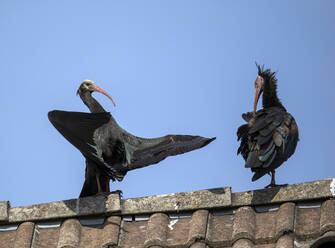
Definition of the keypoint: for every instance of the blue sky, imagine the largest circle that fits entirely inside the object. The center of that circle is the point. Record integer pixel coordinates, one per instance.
(172, 67)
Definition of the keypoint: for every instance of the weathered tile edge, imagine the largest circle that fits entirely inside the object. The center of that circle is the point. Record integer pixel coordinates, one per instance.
(193, 200)
(184, 201)
(321, 189)
(4, 211)
(66, 209)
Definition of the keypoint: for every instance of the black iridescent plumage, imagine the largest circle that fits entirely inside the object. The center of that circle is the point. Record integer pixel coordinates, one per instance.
(110, 151)
(271, 134)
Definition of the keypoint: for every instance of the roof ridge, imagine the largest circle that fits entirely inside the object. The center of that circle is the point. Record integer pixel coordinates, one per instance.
(218, 198)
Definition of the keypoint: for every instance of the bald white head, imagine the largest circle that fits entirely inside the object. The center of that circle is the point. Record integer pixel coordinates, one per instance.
(90, 86)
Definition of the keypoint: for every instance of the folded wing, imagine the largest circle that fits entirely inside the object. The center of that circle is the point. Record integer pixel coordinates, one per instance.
(268, 140)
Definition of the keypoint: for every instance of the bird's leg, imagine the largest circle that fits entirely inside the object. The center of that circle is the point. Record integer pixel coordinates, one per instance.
(273, 181)
(107, 186)
(97, 176)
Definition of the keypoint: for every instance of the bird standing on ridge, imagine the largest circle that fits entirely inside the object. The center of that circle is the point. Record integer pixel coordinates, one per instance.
(92, 171)
(110, 151)
(271, 135)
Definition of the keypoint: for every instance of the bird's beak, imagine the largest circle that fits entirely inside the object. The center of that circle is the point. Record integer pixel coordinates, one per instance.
(259, 84)
(98, 89)
(257, 94)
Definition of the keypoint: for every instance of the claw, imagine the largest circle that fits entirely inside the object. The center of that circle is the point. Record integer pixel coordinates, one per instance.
(102, 194)
(117, 192)
(273, 185)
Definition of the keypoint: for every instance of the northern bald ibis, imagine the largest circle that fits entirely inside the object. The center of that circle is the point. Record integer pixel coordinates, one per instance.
(110, 151)
(271, 135)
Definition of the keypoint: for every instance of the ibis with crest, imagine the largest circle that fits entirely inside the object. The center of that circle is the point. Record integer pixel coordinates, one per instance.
(271, 134)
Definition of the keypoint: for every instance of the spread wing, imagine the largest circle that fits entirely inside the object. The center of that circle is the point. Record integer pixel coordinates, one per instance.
(268, 140)
(78, 128)
(152, 151)
(113, 149)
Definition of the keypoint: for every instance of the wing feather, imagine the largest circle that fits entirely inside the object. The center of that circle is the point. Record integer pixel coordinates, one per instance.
(271, 138)
(78, 128)
(170, 145)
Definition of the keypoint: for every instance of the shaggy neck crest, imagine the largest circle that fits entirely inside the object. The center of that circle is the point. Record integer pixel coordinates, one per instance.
(270, 98)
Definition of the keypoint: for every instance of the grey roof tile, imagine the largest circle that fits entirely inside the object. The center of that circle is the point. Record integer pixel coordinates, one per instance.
(178, 231)
(285, 241)
(4, 209)
(133, 234)
(265, 227)
(327, 221)
(219, 230)
(307, 223)
(244, 224)
(285, 219)
(243, 243)
(45, 238)
(198, 226)
(157, 230)
(110, 231)
(69, 235)
(198, 245)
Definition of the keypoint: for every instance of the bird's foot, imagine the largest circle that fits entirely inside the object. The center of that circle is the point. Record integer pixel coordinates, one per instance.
(106, 194)
(273, 185)
(117, 192)
(102, 194)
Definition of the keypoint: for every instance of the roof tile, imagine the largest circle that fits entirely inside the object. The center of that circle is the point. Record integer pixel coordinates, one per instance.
(178, 231)
(243, 243)
(45, 238)
(211, 198)
(7, 239)
(265, 227)
(285, 241)
(326, 237)
(285, 219)
(69, 235)
(263, 224)
(157, 230)
(24, 235)
(4, 209)
(198, 226)
(327, 220)
(307, 223)
(198, 245)
(132, 234)
(219, 231)
(265, 246)
(90, 236)
(110, 232)
(244, 224)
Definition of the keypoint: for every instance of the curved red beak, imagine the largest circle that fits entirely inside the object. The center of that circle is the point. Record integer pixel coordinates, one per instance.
(98, 89)
(257, 95)
(259, 88)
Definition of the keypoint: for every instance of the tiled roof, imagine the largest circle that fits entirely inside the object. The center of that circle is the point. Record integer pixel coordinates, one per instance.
(298, 215)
